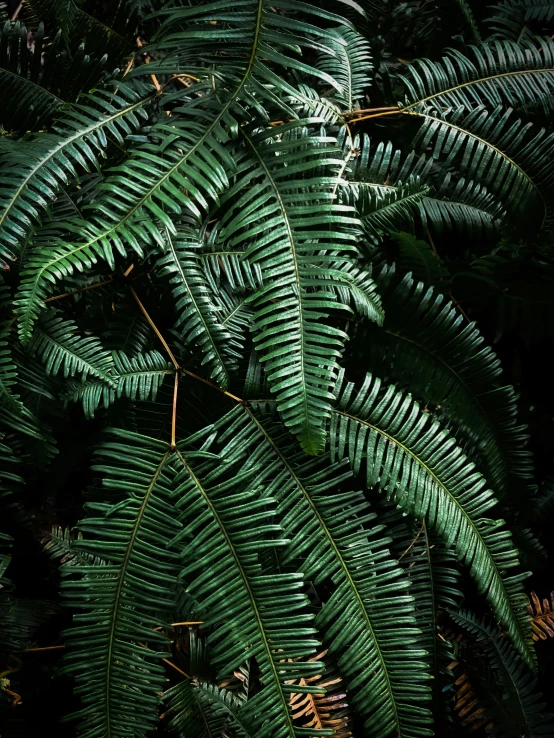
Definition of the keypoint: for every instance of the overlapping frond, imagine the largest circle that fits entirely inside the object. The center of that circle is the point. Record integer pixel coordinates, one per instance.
(227, 527)
(300, 239)
(502, 155)
(428, 347)
(496, 73)
(33, 172)
(523, 712)
(332, 536)
(199, 320)
(59, 345)
(114, 644)
(350, 65)
(135, 378)
(408, 455)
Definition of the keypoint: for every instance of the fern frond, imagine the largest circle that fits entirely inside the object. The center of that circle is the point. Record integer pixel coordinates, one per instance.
(350, 65)
(61, 544)
(58, 344)
(419, 466)
(198, 319)
(304, 242)
(388, 209)
(418, 258)
(135, 378)
(120, 605)
(521, 702)
(185, 164)
(501, 155)
(331, 539)
(542, 617)
(428, 347)
(227, 524)
(35, 169)
(499, 73)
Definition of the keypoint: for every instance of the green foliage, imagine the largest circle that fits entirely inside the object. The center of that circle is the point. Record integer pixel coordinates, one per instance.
(253, 259)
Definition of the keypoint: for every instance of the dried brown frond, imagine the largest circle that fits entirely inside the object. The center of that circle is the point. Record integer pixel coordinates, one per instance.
(467, 705)
(542, 614)
(329, 710)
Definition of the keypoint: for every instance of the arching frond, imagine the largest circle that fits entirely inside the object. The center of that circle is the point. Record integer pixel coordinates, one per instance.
(227, 527)
(511, 163)
(428, 347)
(61, 348)
(114, 645)
(350, 65)
(303, 245)
(185, 164)
(418, 258)
(331, 538)
(135, 378)
(198, 319)
(34, 171)
(407, 455)
(522, 706)
(494, 73)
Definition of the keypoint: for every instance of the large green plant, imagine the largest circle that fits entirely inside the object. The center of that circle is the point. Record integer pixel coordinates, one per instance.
(306, 449)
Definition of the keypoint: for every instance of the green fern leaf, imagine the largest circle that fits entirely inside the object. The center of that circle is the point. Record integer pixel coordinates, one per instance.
(120, 604)
(298, 350)
(331, 538)
(34, 171)
(420, 467)
(60, 347)
(223, 508)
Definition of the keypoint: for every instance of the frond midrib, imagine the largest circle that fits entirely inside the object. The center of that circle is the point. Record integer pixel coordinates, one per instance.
(489, 145)
(481, 80)
(297, 293)
(207, 331)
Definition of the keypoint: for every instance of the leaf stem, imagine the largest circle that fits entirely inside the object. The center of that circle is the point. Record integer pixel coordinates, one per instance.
(174, 413)
(155, 329)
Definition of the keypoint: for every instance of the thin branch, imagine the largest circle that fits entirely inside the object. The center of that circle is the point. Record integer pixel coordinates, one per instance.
(414, 541)
(211, 384)
(174, 413)
(155, 329)
(82, 289)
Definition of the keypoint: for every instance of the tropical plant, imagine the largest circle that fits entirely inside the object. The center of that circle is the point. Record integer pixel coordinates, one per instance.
(248, 400)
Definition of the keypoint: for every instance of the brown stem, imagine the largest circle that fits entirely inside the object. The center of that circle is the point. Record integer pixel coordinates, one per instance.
(396, 111)
(369, 110)
(174, 414)
(155, 329)
(82, 289)
(211, 384)
(44, 648)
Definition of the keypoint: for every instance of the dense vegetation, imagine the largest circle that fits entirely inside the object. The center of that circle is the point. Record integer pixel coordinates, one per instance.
(276, 415)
